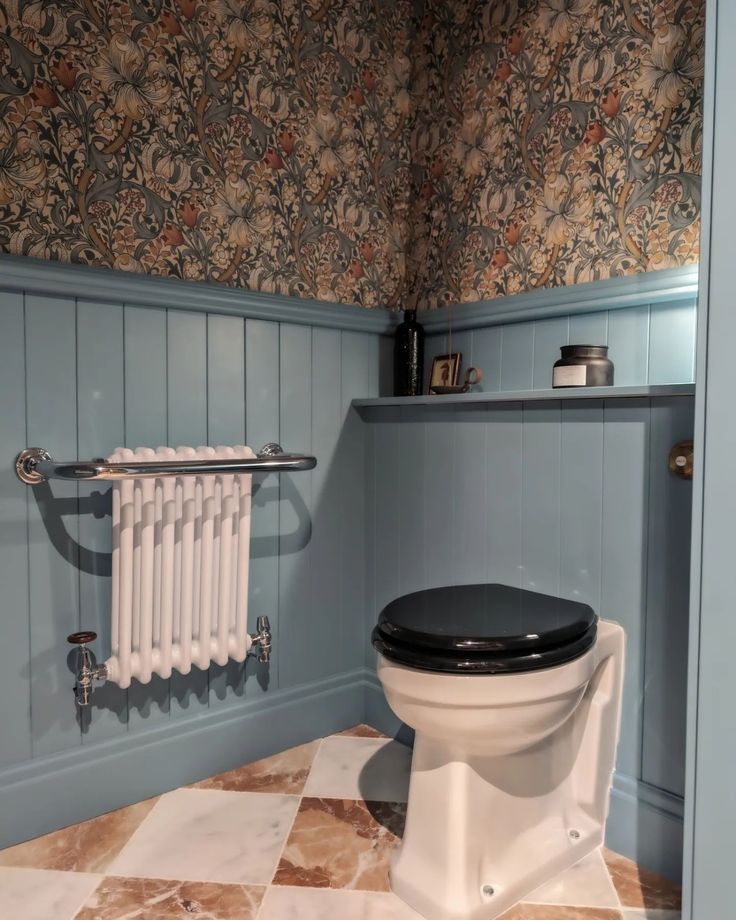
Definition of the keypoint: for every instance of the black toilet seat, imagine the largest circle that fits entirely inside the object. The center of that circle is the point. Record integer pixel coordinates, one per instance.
(483, 629)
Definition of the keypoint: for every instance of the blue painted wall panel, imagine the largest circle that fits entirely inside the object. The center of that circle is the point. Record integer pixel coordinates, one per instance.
(569, 497)
(325, 585)
(459, 497)
(299, 642)
(589, 329)
(504, 494)
(225, 380)
(387, 511)
(262, 378)
(652, 345)
(440, 507)
(225, 426)
(15, 678)
(369, 613)
(469, 534)
(628, 345)
(581, 502)
(540, 491)
(624, 555)
(382, 383)
(110, 374)
(671, 343)
(668, 586)
(411, 462)
(517, 357)
(53, 525)
(101, 428)
(356, 373)
(549, 336)
(146, 423)
(487, 344)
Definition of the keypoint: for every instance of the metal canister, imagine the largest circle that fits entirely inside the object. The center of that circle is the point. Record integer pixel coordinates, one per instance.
(583, 366)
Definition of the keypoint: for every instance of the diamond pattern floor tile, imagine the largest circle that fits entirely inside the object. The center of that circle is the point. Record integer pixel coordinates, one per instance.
(304, 835)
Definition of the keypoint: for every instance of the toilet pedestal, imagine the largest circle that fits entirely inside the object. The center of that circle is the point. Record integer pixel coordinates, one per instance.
(494, 812)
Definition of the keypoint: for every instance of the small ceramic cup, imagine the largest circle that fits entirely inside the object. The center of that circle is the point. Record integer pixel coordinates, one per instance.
(473, 375)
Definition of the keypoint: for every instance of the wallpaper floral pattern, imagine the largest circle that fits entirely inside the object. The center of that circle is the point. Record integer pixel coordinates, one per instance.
(379, 153)
(554, 142)
(254, 143)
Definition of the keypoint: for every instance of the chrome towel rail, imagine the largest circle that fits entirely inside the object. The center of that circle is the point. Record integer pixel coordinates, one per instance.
(34, 465)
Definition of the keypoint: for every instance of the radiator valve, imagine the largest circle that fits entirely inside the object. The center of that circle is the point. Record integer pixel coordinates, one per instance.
(87, 673)
(261, 639)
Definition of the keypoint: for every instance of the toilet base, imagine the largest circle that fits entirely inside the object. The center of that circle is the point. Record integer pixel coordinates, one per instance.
(489, 906)
(483, 829)
(486, 888)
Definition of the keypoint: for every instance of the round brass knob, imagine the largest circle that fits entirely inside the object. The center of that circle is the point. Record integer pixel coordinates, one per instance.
(82, 638)
(681, 460)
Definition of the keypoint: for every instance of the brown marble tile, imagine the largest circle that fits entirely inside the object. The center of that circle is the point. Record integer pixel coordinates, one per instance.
(340, 843)
(283, 773)
(87, 847)
(553, 912)
(156, 899)
(638, 887)
(363, 731)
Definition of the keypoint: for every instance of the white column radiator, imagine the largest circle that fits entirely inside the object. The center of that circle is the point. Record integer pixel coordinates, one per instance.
(181, 548)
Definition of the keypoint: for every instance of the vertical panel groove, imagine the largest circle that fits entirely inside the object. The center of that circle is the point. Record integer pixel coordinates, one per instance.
(54, 598)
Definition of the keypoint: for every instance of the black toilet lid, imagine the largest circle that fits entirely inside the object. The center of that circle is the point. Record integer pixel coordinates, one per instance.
(485, 629)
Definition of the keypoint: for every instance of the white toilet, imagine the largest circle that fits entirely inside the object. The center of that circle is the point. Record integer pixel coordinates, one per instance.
(515, 698)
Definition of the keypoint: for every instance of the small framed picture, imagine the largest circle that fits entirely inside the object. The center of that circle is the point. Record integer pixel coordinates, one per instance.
(445, 370)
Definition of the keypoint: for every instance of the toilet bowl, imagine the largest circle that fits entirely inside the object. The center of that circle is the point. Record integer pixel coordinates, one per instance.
(515, 700)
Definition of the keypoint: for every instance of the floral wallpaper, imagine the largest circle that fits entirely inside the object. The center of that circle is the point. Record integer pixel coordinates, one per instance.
(259, 144)
(554, 142)
(382, 153)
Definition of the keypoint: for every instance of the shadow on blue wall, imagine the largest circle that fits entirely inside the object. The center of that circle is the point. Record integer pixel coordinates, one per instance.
(109, 696)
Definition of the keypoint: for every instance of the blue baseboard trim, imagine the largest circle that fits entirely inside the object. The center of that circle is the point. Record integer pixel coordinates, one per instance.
(72, 786)
(644, 823)
(59, 279)
(671, 285)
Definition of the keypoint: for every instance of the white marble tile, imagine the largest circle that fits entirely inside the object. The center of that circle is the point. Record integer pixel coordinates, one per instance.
(326, 904)
(587, 884)
(376, 769)
(44, 894)
(208, 835)
(649, 913)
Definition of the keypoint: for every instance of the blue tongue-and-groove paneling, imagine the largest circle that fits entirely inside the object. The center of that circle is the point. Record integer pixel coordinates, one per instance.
(80, 377)
(567, 496)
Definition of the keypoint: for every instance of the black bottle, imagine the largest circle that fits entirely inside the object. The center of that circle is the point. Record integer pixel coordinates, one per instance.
(409, 356)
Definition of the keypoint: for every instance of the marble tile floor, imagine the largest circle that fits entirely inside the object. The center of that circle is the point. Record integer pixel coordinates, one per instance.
(304, 835)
